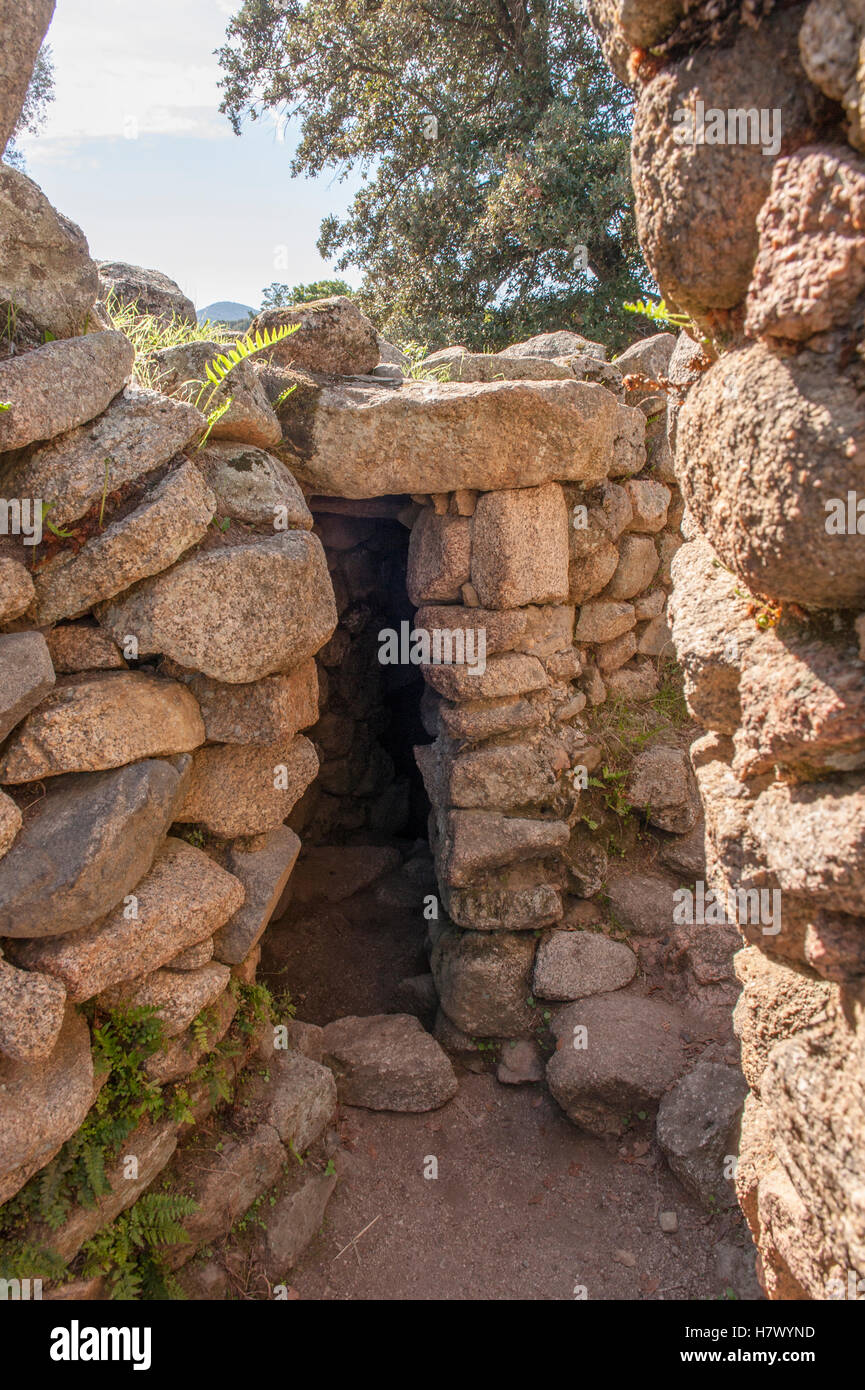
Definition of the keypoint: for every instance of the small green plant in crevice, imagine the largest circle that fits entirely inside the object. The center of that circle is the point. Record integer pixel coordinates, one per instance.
(125, 1252)
(610, 785)
(193, 836)
(5, 405)
(122, 1041)
(659, 313)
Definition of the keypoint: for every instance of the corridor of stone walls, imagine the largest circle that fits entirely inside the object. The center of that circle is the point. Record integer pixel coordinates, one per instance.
(431, 812)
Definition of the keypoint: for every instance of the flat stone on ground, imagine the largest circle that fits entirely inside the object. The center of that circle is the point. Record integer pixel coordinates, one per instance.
(388, 1062)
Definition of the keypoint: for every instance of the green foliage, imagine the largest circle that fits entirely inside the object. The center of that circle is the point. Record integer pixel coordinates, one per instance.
(5, 405)
(492, 143)
(277, 296)
(27, 1261)
(610, 784)
(122, 1042)
(148, 335)
(659, 313)
(217, 370)
(125, 1251)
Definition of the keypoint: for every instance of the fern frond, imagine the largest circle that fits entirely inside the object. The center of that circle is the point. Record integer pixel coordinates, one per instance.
(218, 369)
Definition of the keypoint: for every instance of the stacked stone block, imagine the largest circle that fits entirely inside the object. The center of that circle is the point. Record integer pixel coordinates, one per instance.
(762, 245)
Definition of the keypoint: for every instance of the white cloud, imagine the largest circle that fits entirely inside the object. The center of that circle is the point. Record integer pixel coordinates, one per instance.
(126, 69)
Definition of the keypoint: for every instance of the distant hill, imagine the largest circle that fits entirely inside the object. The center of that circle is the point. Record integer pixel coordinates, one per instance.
(228, 312)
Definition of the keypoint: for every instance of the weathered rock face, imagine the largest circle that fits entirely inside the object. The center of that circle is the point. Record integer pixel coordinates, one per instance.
(47, 278)
(170, 518)
(61, 385)
(92, 722)
(26, 676)
(388, 1063)
(248, 790)
(756, 431)
(42, 1103)
(458, 364)
(249, 419)
(149, 291)
(333, 336)
(87, 843)
(766, 598)
(365, 440)
(697, 202)
(615, 1056)
(235, 613)
(23, 24)
(138, 433)
(182, 899)
(253, 486)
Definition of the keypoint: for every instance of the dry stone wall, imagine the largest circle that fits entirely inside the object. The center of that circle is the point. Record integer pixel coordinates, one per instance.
(761, 242)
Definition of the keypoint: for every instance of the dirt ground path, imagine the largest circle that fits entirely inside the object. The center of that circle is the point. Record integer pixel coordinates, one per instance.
(525, 1205)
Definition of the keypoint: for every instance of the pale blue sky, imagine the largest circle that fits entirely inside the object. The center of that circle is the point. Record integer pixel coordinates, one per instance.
(136, 152)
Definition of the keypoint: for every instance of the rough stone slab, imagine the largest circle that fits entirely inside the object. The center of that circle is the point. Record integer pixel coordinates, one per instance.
(638, 564)
(232, 789)
(45, 266)
(177, 997)
(139, 432)
(224, 1181)
(662, 784)
(562, 343)
(478, 720)
(484, 980)
(253, 486)
(181, 372)
(388, 1062)
(60, 386)
(334, 336)
(170, 518)
(23, 25)
(26, 676)
(504, 909)
(152, 1146)
(32, 1008)
(295, 1219)
(235, 613)
(16, 589)
(642, 902)
(512, 673)
(88, 723)
(633, 1053)
(149, 291)
(43, 1103)
(458, 364)
(480, 840)
(263, 872)
(520, 547)
(697, 1123)
(499, 778)
(296, 1096)
(367, 441)
(439, 557)
(336, 872)
(574, 964)
(79, 647)
(182, 1054)
(179, 902)
(193, 956)
(85, 845)
(603, 620)
(263, 711)
(502, 630)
